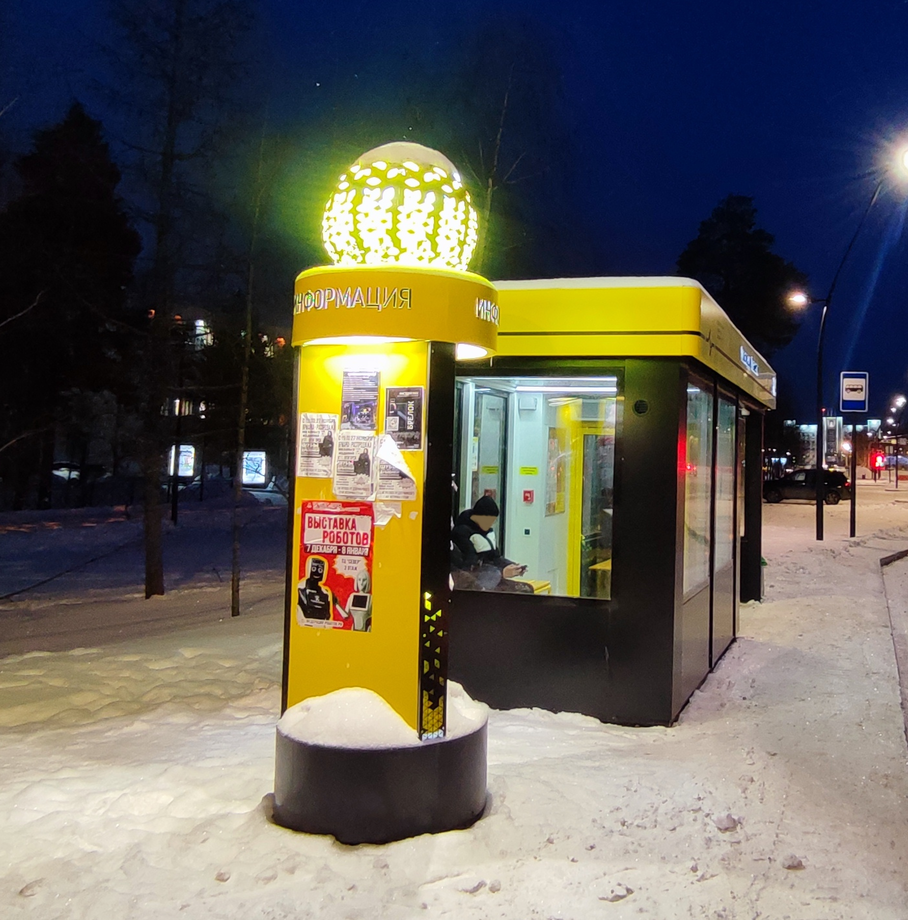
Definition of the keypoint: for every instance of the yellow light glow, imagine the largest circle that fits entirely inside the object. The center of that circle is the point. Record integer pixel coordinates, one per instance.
(465, 352)
(412, 215)
(382, 361)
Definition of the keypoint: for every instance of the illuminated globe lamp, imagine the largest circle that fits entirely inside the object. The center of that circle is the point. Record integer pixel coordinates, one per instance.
(401, 204)
(379, 328)
(401, 207)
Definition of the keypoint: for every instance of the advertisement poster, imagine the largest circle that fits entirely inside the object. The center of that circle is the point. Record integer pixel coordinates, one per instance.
(317, 434)
(353, 465)
(359, 400)
(254, 468)
(185, 461)
(403, 416)
(555, 471)
(395, 481)
(335, 573)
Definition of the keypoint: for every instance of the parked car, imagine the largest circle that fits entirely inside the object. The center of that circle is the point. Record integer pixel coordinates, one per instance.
(801, 484)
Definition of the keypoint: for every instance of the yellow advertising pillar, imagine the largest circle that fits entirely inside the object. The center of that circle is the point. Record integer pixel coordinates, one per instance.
(368, 588)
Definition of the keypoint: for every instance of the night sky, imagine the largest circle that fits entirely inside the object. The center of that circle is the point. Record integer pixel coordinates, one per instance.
(669, 108)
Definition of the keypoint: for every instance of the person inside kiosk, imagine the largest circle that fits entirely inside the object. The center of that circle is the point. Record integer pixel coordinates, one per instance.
(476, 561)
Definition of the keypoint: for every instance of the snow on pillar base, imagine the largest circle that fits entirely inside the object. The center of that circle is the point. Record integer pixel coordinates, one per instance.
(382, 794)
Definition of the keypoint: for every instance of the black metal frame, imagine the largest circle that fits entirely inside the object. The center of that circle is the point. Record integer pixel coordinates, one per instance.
(435, 585)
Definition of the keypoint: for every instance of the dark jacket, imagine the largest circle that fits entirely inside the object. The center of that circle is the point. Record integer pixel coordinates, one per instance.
(473, 547)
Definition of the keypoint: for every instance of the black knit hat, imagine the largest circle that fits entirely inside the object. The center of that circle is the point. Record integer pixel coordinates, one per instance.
(486, 507)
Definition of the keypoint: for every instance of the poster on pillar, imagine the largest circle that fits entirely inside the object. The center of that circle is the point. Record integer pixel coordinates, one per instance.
(335, 568)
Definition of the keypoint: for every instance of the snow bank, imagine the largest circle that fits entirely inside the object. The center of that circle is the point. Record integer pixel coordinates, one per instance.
(135, 780)
(361, 719)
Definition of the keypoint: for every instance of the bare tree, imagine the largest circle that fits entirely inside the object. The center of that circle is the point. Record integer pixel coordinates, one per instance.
(506, 104)
(178, 61)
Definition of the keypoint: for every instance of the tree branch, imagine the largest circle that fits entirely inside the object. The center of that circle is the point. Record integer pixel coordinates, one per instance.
(31, 306)
(25, 434)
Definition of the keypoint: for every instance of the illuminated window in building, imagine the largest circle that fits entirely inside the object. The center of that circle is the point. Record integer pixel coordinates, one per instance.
(203, 335)
(401, 204)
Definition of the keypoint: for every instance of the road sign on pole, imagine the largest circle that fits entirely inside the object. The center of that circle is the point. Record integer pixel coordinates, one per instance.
(854, 389)
(854, 392)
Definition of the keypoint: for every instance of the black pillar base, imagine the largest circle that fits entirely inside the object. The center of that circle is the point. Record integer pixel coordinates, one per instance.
(380, 795)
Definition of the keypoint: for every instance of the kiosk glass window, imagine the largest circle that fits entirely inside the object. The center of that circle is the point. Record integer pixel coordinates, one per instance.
(697, 486)
(726, 433)
(544, 448)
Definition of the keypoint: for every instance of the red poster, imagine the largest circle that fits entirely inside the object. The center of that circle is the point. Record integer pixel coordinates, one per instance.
(335, 573)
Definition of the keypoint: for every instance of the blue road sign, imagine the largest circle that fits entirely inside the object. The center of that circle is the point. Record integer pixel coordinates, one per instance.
(854, 391)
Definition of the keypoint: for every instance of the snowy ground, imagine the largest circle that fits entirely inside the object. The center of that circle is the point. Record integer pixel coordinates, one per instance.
(135, 775)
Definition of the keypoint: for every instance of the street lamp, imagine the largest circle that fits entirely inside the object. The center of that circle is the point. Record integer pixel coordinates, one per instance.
(801, 299)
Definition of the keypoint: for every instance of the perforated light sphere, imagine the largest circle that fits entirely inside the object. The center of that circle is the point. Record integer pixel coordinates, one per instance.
(401, 204)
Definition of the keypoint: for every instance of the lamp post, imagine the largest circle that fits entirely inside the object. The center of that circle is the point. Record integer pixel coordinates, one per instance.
(800, 299)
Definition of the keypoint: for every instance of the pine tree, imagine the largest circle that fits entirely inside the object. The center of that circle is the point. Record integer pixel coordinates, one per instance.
(733, 259)
(67, 251)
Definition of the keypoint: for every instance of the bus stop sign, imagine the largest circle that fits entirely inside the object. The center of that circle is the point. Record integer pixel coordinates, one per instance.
(853, 392)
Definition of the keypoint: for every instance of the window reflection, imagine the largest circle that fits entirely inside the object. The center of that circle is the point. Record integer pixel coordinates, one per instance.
(697, 487)
(725, 483)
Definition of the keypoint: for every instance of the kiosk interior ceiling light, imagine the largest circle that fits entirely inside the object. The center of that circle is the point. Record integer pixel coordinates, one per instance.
(401, 204)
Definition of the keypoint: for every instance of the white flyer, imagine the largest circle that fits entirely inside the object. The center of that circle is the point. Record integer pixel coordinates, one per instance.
(395, 481)
(317, 437)
(354, 465)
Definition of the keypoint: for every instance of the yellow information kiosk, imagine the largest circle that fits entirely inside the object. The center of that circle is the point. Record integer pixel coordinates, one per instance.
(619, 429)
(368, 587)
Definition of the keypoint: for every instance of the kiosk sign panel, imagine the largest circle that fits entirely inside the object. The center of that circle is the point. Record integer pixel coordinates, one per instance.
(854, 390)
(335, 586)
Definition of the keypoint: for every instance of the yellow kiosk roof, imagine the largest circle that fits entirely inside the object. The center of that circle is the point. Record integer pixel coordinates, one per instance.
(629, 317)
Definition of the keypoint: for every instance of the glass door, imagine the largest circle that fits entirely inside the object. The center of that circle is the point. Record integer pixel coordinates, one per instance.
(595, 575)
(488, 450)
(592, 488)
(725, 541)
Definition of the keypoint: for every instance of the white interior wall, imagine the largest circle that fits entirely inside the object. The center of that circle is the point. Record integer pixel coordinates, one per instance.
(531, 538)
(468, 457)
